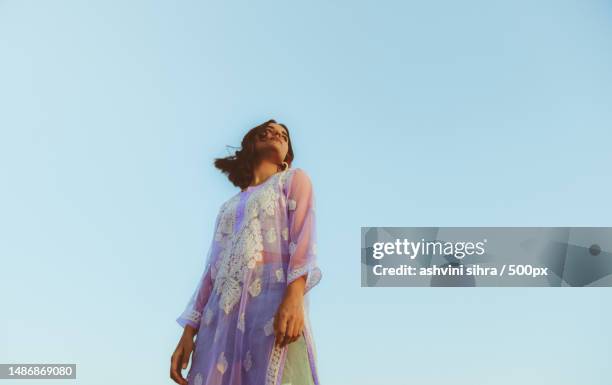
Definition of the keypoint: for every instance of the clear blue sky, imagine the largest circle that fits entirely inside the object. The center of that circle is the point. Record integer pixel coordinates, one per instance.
(439, 113)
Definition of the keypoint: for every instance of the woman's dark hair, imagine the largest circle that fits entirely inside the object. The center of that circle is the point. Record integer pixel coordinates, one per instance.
(239, 167)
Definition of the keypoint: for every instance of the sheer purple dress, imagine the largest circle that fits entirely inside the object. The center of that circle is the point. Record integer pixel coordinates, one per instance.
(264, 239)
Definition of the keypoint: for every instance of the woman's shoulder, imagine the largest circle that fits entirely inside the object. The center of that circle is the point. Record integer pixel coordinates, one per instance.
(231, 200)
(297, 172)
(296, 177)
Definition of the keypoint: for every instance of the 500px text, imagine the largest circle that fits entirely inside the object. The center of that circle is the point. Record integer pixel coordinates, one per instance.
(473, 270)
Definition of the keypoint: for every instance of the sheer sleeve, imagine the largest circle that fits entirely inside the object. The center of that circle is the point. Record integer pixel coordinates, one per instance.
(302, 230)
(192, 314)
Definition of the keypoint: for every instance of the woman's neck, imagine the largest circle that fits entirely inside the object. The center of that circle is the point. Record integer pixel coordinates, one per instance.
(263, 171)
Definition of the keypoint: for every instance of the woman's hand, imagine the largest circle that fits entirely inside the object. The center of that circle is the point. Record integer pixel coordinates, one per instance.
(289, 318)
(180, 357)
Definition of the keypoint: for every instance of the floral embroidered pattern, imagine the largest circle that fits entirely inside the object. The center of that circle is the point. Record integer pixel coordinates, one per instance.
(251, 211)
(224, 254)
(292, 247)
(240, 325)
(230, 293)
(250, 243)
(194, 316)
(222, 363)
(235, 262)
(248, 362)
(280, 275)
(274, 365)
(297, 273)
(242, 253)
(269, 326)
(198, 379)
(283, 178)
(228, 219)
(271, 235)
(268, 199)
(252, 263)
(285, 234)
(208, 314)
(291, 204)
(255, 287)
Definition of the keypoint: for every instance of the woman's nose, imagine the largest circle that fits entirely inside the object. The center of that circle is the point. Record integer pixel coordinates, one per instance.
(276, 134)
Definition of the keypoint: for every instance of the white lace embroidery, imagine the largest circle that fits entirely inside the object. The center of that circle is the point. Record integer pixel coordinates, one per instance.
(248, 362)
(222, 363)
(292, 204)
(230, 293)
(242, 252)
(240, 325)
(255, 287)
(274, 362)
(194, 316)
(283, 178)
(208, 314)
(271, 235)
(280, 275)
(251, 211)
(198, 379)
(268, 200)
(297, 273)
(247, 250)
(292, 247)
(269, 326)
(274, 365)
(228, 219)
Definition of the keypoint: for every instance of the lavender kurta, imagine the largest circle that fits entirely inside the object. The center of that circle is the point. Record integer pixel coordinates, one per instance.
(264, 239)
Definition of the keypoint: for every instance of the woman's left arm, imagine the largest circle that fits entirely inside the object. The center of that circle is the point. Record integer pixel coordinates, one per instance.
(303, 272)
(290, 314)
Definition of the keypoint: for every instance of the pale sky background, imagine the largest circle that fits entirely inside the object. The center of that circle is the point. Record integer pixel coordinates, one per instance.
(437, 113)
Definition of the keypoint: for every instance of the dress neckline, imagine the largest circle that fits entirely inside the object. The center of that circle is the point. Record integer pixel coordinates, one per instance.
(257, 186)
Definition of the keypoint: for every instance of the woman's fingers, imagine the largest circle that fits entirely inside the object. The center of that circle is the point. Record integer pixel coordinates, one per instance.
(293, 329)
(185, 360)
(288, 325)
(298, 332)
(285, 340)
(280, 328)
(175, 372)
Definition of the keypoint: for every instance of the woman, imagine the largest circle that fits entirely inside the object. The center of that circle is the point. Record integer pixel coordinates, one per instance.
(249, 312)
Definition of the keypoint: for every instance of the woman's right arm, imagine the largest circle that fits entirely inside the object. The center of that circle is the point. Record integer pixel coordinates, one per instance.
(180, 357)
(192, 314)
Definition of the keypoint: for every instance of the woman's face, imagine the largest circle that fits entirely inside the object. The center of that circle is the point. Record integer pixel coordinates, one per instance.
(273, 142)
